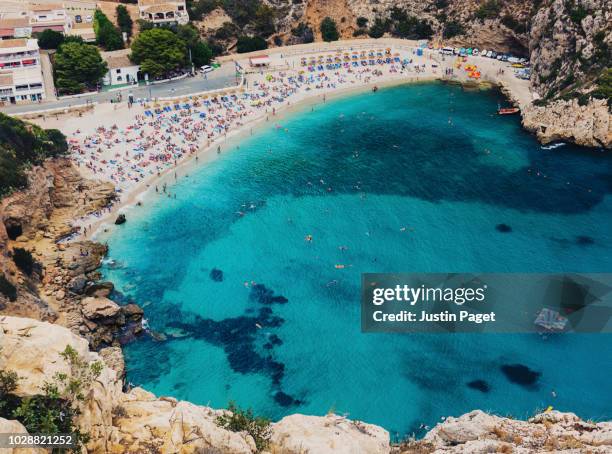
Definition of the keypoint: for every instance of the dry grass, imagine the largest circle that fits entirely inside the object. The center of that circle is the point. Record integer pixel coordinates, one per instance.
(414, 447)
(505, 448)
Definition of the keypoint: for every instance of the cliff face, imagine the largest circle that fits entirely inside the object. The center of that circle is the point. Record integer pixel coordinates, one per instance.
(138, 422)
(570, 45)
(589, 125)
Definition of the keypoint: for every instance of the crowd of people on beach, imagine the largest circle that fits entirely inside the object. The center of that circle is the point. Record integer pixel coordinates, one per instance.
(159, 135)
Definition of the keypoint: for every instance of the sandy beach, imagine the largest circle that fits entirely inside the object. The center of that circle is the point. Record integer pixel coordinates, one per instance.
(146, 147)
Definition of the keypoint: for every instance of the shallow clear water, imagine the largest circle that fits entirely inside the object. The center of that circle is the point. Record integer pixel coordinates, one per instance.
(353, 173)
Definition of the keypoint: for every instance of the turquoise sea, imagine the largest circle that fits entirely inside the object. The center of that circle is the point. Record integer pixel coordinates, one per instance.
(409, 179)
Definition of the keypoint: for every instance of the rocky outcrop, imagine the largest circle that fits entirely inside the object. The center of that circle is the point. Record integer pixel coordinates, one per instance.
(298, 434)
(479, 432)
(570, 43)
(116, 422)
(138, 421)
(15, 427)
(588, 125)
(165, 425)
(37, 219)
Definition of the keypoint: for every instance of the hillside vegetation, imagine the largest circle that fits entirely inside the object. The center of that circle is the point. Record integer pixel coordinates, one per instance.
(23, 145)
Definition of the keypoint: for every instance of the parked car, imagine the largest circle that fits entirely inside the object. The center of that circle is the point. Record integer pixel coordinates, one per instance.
(493, 54)
(78, 19)
(475, 52)
(88, 19)
(206, 69)
(490, 53)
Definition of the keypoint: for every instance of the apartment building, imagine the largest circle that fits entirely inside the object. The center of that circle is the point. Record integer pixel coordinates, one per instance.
(21, 76)
(49, 15)
(21, 20)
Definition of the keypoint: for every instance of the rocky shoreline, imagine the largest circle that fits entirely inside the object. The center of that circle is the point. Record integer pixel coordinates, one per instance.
(136, 421)
(588, 125)
(64, 287)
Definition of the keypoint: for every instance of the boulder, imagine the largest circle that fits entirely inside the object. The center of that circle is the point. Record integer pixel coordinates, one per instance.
(100, 289)
(15, 427)
(95, 308)
(133, 311)
(77, 284)
(168, 426)
(33, 350)
(120, 219)
(331, 434)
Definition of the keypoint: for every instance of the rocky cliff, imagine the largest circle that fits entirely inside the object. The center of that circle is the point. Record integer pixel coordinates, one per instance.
(61, 285)
(567, 120)
(139, 422)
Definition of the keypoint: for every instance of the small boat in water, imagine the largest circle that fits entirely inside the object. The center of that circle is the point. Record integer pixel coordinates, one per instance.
(508, 110)
(552, 146)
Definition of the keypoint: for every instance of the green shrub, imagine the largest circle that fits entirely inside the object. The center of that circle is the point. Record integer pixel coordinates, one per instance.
(250, 44)
(12, 175)
(22, 145)
(604, 86)
(304, 32)
(241, 11)
(362, 22)
(264, 20)
(107, 35)
(452, 29)
(124, 20)
(7, 289)
(197, 9)
(49, 39)
(8, 384)
(55, 410)
(243, 420)
(329, 31)
(226, 31)
(379, 27)
(24, 260)
(576, 12)
(488, 10)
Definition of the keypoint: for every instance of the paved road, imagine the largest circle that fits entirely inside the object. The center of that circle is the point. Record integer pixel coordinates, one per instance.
(219, 78)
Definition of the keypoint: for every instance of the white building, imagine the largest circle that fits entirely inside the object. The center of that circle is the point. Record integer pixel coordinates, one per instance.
(17, 27)
(163, 11)
(49, 15)
(121, 70)
(21, 77)
(21, 20)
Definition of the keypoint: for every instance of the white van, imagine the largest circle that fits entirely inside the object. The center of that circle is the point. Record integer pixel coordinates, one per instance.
(206, 69)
